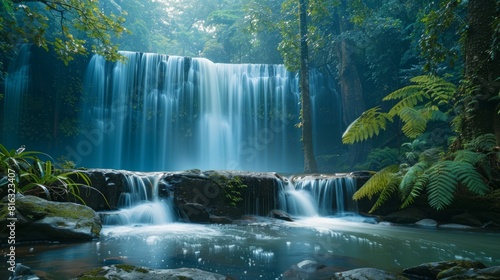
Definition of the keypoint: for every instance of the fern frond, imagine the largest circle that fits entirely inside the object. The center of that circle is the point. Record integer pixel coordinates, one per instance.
(385, 182)
(366, 126)
(408, 102)
(376, 183)
(379, 158)
(485, 142)
(387, 192)
(470, 178)
(418, 187)
(415, 122)
(403, 92)
(442, 184)
(431, 155)
(411, 176)
(470, 157)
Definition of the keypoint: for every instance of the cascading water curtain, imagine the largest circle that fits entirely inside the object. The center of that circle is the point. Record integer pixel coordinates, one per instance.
(155, 112)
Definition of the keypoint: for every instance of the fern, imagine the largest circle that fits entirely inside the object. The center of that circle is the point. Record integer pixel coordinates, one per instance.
(411, 176)
(482, 143)
(470, 157)
(379, 158)
(366, 126)
(445, 176)
(426, 90)
(442, 185)
(385, 182)
(417, 188)
(415, 122)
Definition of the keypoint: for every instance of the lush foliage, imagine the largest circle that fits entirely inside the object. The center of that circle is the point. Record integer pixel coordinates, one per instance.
(429, 98)
(69, 27)
(440, 177)
(36, 177)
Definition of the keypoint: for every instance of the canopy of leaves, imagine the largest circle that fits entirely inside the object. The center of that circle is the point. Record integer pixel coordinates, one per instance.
(70, 27)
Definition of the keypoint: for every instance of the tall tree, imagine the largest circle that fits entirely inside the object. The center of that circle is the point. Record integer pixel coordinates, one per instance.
(306, 121)
(482, 71)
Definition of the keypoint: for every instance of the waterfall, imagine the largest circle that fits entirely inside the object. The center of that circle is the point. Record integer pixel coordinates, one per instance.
(153, 112)
(319, 195)
(139, 203)
(156, 112)
(17, 84)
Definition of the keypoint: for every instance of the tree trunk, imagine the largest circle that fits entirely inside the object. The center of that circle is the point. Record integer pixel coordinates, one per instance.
(481, 72)
(307, 137)
(353, 103)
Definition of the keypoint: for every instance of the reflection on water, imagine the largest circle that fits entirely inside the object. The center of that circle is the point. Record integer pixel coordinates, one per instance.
(261, 249)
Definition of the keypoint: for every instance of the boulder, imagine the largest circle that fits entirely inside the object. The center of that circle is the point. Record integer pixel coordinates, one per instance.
(194, 213)
(367, 274)
(433, 269)
(303, 270)
(280, 215)
(39, 219)
(427, 223)
(22, 272)
(130, 272)
(406, 216)
(466, 219)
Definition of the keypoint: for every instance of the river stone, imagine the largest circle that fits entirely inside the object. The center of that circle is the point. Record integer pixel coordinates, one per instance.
(433, 269)
(405, 216)
(303, 270)
(39, 219)
(427, 223)
(489, 273)
(22, 272)
(130, 272)
(367, 274)
(280, 215)
(467, 219)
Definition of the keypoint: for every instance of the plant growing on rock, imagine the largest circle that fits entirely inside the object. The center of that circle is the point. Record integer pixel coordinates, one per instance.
(40, 178)
(231, 187)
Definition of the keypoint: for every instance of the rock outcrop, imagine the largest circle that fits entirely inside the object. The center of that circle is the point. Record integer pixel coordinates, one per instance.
(39, 219)
(125, 272)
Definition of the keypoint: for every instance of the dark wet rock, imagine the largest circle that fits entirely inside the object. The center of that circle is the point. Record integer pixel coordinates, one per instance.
(280, 215)
(454, 226)
(466, 219)
(22, 272)
(427, 223)
(220, 220)
(489, 273)
(129, 272)
(406, 216)
(367, 274)
(39, 219)
(195, 213)
(433, 269)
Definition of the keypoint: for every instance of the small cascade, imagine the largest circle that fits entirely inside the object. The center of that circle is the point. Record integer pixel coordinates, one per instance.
(140, 204)
(319, 195)
(296, 202)
(17, 83)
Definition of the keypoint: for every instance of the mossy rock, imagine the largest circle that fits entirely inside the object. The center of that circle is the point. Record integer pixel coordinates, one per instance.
(130, 272)
(445, 268)
(39, 219)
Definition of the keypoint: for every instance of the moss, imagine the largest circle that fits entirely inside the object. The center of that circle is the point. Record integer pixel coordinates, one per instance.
(130, 268)
(94, 274)
(231, 187)
(53, 209)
